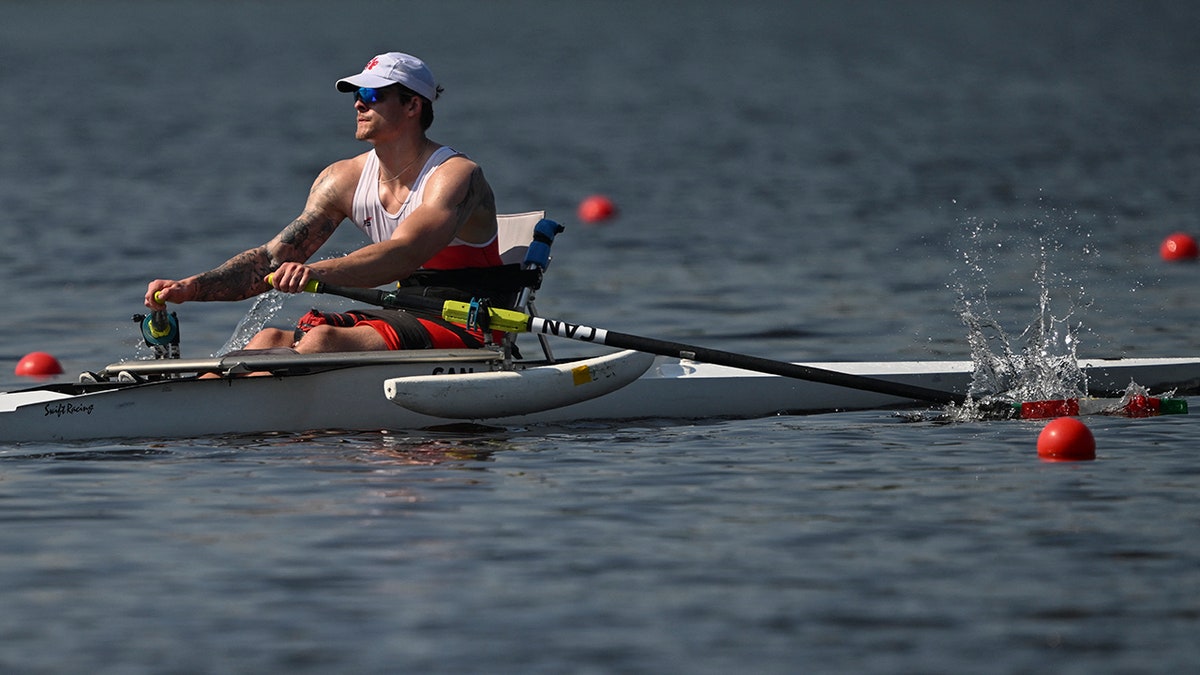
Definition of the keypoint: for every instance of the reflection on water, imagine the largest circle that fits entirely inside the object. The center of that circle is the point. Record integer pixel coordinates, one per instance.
(441, 445)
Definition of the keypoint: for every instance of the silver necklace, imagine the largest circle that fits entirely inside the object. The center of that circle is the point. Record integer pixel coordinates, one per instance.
(401, 171)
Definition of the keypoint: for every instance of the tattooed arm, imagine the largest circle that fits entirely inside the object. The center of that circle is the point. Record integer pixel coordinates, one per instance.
(457, 202)
(242, 276)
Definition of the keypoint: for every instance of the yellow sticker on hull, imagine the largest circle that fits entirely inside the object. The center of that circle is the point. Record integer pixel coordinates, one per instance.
(581, 375)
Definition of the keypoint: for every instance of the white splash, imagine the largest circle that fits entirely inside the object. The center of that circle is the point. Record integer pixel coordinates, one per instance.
(265, 307)
(1040, 362)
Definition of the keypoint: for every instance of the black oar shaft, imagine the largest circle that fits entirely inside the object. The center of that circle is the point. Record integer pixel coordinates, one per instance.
(668, 348)
(741, 361)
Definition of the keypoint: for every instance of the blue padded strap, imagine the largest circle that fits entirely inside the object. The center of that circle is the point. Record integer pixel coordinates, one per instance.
(539, 249)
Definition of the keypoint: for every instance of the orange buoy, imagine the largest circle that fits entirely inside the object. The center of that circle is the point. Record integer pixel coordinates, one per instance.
(596, 209)
(1179, 246)
(38, 364)
(1066, 439)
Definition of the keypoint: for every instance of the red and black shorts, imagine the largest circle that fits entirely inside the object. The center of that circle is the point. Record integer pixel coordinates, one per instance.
(399, 329)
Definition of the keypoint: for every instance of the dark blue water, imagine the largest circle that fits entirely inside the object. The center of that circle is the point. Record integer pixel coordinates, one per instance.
(814, 180)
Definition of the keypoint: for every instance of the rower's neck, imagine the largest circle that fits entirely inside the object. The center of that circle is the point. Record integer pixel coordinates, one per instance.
(401, 160)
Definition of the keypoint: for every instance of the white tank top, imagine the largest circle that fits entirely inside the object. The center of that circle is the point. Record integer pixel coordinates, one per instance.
(368, 212)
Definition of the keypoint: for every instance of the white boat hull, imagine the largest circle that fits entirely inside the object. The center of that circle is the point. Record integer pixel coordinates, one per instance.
(675, 389)
(347, 398)
(344, 393)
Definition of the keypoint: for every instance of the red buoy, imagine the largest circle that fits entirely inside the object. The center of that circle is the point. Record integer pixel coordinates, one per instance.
(596, 209)
(38, 364)
(1066, 439)
(1179, 246)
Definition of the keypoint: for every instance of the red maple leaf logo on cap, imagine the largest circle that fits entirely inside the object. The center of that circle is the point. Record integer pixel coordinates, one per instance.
(371, 64)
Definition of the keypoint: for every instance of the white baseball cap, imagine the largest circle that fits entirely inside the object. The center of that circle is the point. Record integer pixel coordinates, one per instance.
(392, 68)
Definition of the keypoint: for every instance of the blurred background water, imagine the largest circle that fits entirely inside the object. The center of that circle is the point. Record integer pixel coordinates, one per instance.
(798, 180)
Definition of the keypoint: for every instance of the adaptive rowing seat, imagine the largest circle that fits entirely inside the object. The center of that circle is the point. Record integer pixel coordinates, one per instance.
(525, 239)
(514, 234)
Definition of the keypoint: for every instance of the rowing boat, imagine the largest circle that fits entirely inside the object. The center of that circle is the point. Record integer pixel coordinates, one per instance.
(373, 391)
(171, 397)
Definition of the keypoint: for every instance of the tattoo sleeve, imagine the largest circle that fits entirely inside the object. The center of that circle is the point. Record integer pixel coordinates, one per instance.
(301, 239)
(238, 278)
(242, 276)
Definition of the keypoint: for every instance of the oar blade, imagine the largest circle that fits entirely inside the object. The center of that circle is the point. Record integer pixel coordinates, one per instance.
(1134, 406)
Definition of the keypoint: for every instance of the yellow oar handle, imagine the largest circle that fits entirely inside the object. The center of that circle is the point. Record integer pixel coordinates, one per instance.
(313, 285)
(158, 298)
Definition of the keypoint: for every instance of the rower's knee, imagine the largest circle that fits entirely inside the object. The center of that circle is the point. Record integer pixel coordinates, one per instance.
(326, 338)
(268, 338)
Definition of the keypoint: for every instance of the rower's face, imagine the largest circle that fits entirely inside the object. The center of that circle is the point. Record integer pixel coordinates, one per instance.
(381, 110)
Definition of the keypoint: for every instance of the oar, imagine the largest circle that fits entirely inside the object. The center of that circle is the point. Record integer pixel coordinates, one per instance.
(511, 321)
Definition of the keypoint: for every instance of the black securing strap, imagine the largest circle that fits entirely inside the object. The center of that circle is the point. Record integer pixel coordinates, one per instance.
(478, 280)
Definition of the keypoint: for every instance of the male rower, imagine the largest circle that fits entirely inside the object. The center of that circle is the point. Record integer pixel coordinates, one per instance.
(425, 207)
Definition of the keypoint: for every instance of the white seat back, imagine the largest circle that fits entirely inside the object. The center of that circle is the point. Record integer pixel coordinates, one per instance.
(515, 233)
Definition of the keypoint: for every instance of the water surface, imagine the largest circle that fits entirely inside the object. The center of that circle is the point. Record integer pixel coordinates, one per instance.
(805, 180)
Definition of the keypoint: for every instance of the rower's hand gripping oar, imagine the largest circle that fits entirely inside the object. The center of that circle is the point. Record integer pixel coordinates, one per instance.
(512, 321)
